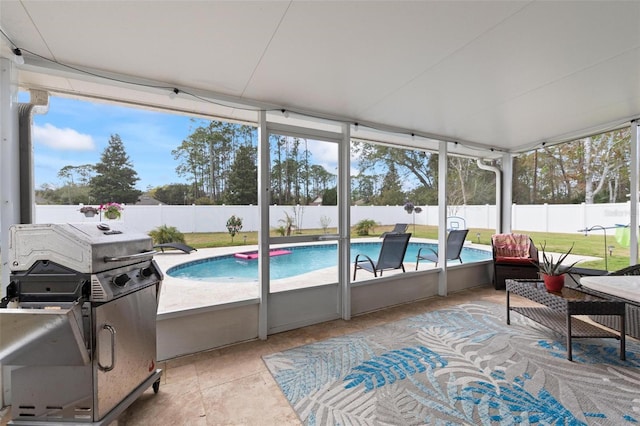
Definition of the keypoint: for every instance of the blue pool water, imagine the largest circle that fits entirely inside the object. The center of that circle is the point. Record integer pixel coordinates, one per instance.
(301, 260)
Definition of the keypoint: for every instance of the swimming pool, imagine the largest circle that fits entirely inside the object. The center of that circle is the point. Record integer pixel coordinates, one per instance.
(302, 259)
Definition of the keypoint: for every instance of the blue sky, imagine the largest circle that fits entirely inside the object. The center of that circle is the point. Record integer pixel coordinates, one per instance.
(76, 132)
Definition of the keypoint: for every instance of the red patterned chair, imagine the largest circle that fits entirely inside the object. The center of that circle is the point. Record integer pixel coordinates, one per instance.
(514, 256)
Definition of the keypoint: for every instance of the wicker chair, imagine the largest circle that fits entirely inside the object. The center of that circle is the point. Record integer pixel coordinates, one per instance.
(629, 270)
(514, 256)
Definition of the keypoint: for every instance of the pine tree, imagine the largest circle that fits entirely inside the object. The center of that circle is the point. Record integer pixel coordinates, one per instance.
(391, 191)
(115, 177)
(243, 178)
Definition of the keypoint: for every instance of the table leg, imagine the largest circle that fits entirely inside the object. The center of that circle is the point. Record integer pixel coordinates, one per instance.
(623, 332)
(569, 349)
(508, 309)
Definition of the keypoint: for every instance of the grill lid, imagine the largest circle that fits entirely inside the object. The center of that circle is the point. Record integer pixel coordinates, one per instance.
(82, 247)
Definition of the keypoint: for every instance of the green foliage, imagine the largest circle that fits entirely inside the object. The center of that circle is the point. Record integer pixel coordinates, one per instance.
(206, 157)
(173, 193)
(391, 192)
(115, 177)
(330, 197)
(589, 170)
(234, 225)
(294, 178)
(549, 267)
(203, 201)
(166, 234)
(287, 224)
(365, 226)
(68, 194)
(242, 186)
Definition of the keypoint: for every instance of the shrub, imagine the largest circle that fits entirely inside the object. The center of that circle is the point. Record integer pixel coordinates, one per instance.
(166, 234)
(365, 226)
(325, 221)
(234, 225)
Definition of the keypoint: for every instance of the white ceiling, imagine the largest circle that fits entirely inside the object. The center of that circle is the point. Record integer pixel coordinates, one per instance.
(507, 75)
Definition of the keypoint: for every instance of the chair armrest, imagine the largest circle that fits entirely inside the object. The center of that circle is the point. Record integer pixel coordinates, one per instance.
(435, 253)
(368, 259)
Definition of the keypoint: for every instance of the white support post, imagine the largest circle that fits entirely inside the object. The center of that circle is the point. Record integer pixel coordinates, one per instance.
(442, 217)
(9, 179)
(264, 199)
(10, 160)
(507, 194)
(634, 172)
(344, 220)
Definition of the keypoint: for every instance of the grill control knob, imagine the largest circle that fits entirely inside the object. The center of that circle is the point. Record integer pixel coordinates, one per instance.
(146, 272)
(121, 280)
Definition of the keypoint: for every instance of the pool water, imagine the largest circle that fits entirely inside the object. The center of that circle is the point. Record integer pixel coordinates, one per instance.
(302, 259)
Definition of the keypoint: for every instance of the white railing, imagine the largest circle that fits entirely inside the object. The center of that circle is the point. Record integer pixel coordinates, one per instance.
(192, 218)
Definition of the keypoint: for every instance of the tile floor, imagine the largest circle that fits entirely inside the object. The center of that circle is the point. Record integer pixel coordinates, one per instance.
(232, 386)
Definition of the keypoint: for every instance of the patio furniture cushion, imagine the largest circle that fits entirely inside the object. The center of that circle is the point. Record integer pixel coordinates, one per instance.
(514, 256)
(622, 286)
(514, 260)
(511, 245)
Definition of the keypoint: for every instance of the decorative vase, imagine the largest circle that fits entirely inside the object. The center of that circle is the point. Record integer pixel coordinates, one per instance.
(553, 283)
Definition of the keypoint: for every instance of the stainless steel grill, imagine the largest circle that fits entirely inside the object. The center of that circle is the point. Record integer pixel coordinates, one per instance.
(79, 322)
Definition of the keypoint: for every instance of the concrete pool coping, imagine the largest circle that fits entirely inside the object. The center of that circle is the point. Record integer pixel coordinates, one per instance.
(180, 296)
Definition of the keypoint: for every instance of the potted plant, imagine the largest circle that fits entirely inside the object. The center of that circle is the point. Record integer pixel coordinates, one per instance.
(553, 272)
(111, 210)
(89, 211)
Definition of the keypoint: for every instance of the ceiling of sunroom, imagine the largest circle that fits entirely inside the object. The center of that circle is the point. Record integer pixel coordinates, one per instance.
(502, 75)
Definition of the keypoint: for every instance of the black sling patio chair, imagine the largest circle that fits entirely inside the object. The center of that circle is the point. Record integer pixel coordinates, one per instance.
(455, 241)
(394, 247)
(399, 228)
(176, 246)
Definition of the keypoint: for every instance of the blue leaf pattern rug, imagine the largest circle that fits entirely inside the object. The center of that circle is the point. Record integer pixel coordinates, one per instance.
(460, 366)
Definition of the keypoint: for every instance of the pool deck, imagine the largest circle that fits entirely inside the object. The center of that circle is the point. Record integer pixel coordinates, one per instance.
(180, 295)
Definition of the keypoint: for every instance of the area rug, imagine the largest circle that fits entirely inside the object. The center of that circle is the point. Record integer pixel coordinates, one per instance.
(460, 365)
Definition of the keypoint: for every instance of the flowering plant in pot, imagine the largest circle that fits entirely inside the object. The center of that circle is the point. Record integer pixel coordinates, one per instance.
(111, 210)
(553, 272)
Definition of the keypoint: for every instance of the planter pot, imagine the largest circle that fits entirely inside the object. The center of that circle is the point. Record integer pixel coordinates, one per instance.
(111, 215)
(89, 214)
(553, 283)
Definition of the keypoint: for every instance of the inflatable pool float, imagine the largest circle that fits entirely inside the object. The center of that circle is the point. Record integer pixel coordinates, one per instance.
(250, 255)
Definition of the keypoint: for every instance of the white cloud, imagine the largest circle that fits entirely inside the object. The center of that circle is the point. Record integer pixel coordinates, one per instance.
(62, 139)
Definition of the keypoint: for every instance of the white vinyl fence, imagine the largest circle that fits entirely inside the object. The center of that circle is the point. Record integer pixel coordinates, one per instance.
(192, 218)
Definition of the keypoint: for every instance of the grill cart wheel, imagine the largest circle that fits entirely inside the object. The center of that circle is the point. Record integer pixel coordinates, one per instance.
(156, 386)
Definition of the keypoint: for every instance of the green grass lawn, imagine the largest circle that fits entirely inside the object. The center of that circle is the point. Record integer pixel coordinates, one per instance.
(591, 245)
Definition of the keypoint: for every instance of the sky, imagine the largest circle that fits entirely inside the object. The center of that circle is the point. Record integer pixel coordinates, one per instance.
(76, 132)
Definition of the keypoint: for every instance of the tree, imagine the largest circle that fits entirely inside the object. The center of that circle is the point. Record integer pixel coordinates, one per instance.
(76, 187)
(391, 191)
(242, 186)
(207, 155)
(590, 170)
(330, 197)
(115, 177)
(173, 193)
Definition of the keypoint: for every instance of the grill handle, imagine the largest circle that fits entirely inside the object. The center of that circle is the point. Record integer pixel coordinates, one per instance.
(136, 256)
(111, 331)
